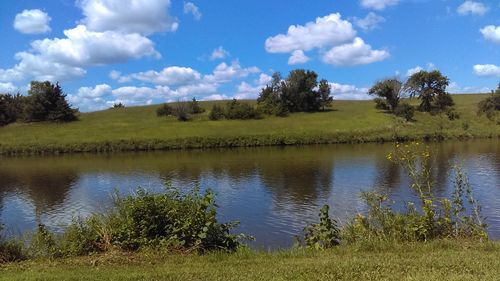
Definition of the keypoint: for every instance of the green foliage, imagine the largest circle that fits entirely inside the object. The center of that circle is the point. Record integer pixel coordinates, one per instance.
(118, 105)
(491, 105)
(11, 108)
(430, 87)
(300, 92)
(452, 114)
(195, 108)
(164, 110)
(430, 218)
(405, 111)
(323, 235)
(217, 113)
(381, 104)
(43, 244)
(47, 102)
(240, 110)
(181, 111)
(10, 250)
(390, 90)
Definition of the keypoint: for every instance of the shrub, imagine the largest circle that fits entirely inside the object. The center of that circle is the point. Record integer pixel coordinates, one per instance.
(323, 235)
(11, 108)
(443, 101)
(430, 218)
(491, 105)
(390, 90)
(118, 105)
(452, 114)
(181, 111)
(217, 113)
(405, 110)
(239, 110)
(10, 250)
(195, 108)
(43, 244)
(164, 110)
(381, 104)
(47, 102)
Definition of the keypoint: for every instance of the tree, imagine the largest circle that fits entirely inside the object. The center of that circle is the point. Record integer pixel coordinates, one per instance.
(195, 107)
(390, 90)
(427, 86)
(164, 110)
(11, 108)
(47, 102)
(325, 90)
(217, 113)
(491, 105)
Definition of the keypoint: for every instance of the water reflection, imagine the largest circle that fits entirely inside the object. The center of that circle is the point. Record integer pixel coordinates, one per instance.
(274, 192)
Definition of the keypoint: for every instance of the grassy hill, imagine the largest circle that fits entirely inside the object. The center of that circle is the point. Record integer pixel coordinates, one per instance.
(138, 128)
(438, 260)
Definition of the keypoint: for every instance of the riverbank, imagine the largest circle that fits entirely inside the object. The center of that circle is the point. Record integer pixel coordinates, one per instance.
(139, 129)
(438, 260)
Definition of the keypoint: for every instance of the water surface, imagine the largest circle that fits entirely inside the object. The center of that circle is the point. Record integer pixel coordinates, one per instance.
(274, 192)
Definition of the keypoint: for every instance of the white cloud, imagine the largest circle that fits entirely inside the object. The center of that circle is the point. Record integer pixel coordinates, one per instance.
(487, 70)
(191, 8)
(349, 92)
(325, 31)
(298, 57)
(219, 53)
(472, 8)
(115, 75)
(491, 33)
(8, 88)
(355, 53)
(455, 88)
(173, 75)
(128, 16)
(224, 73)
(197, 89)
(96, 92)
(378, 4)
(370, 22)
(216, 97)
(91, 99)
(247, 91)
(32, 22)
(414, 70)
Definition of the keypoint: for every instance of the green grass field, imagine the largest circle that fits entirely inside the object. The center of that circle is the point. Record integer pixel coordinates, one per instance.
(421, 261)
(138, 128)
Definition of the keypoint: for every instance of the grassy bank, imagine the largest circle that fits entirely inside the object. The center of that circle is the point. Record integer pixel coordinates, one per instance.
(439, 260)
(138, 128)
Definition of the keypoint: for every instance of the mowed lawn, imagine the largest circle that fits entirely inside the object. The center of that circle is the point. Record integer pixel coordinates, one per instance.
(420, 261)
(351, 119)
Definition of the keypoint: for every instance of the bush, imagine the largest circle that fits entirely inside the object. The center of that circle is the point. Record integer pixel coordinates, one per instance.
(10, 250)
(47, 102)
(195, 108)
(381, 104)
(181, 111)
(11, 108)
(323, 235)
(243, 111)
(164, 110)
(443, 101)
(491, 105)
(118, 105)
(217, 113)
(405, 110)
(430, 218)
(452, 114)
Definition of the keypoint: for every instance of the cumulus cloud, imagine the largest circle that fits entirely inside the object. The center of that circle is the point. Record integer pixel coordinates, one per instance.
(191, 8)
(472, 8)
(370, 22)
(298, 57)
(325, 31)
(355, 53)
(455, 88)
(224, 73)
(88, 98)
(169, 76)
(491, 33)
(487, 70)
(349, 92)
(7, 88)
(248, 91)
(32, 22)
(219, 53)
(128, 16)
(378, 4)
(414, 70)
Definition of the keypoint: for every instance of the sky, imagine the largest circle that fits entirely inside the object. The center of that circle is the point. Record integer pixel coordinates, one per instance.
(140, 52)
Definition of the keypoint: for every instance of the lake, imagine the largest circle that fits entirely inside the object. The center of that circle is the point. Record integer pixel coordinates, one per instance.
(273, 191)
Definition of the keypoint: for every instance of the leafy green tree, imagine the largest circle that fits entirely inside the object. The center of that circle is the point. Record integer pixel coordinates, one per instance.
(239, 110)
(491, 105)
(217, 113)
(427, 86)
(195, 108)
(47, 102)
(11, 108)
(390, 90)
(164, 110)
(325, 91)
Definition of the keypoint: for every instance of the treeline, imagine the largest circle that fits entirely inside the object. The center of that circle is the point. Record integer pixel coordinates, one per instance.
(44, 102)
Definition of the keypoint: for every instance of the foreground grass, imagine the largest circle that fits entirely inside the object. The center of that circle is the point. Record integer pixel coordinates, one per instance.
(138, 128)
(420, 261)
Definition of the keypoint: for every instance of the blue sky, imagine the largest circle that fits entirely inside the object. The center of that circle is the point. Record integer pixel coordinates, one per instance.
(151, 51)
